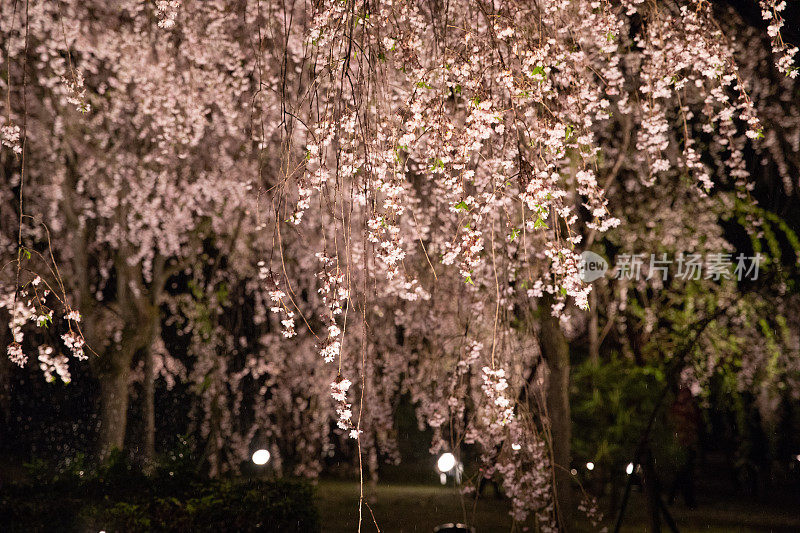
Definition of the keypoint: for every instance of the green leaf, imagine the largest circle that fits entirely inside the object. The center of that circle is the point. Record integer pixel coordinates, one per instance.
(461, 206)
(539, 71)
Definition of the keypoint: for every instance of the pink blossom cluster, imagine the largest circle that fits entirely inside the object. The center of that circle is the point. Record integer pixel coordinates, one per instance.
(74, 343)
(76, 91)
(9, 136)
(24, 307)
(344, 410)
(50, 364)
(278, 301)
(500, 408)
(334, 294)
(167, 13)
(771, 11)
(589, 507)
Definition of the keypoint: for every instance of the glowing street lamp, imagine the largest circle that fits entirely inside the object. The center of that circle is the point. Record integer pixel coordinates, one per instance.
(629, 469)
(446, 462)
(261, 457)
(590, 466)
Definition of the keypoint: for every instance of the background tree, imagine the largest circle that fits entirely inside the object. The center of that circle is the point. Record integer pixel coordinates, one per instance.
(406, 187)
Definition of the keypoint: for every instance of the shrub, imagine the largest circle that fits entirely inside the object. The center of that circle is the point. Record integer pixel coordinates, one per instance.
(117, 499)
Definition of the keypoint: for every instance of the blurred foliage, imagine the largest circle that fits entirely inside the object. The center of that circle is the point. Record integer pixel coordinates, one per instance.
(612, 403)
(118, 496)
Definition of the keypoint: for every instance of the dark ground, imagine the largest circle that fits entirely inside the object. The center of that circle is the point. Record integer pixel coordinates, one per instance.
(420, 508)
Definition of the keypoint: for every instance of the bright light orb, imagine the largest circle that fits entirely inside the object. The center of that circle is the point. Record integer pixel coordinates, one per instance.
(260, 457)
(629, 469)
(446, 462)
(589, 466)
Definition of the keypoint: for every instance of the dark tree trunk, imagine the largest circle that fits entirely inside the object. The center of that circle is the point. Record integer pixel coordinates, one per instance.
(652, 492)
(5, 385)
(149, 393)
(113, 368)
(594, 327)
(149, 409)
(113, 407)
(555, 351)
(136, 306)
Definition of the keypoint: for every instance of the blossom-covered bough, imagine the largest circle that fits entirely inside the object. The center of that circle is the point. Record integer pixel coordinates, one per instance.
(474, 133)
(393, 195)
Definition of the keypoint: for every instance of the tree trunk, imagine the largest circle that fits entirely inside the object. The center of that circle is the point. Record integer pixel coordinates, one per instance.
(5, 386)
(149, 393)
(149, 409)
(113, 408)
(652, 492)
(555, 351)
(113, 368)
(594, 334)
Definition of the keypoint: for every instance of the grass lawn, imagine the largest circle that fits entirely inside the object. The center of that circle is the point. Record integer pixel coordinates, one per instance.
(420, 508)
(404, 508)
